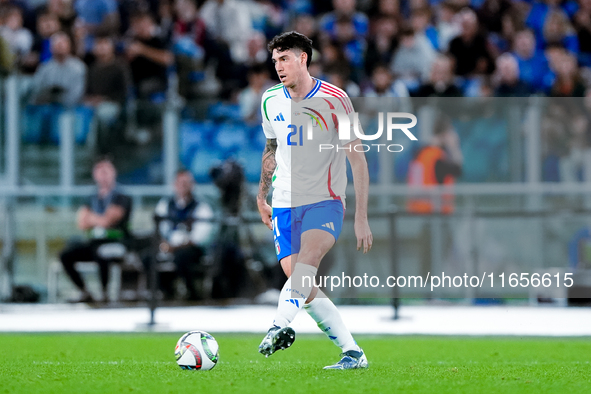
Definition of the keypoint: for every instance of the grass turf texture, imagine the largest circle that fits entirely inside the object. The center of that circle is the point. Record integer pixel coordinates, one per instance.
(124, 363)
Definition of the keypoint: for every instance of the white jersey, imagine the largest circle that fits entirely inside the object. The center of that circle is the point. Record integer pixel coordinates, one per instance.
(311, 164)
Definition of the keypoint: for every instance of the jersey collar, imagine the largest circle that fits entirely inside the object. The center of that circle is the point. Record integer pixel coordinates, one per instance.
(310, 94)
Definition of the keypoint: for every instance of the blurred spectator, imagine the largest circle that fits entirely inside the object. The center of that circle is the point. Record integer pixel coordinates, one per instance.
(568, 82)
(384, 85)
(18, 38)
(107, 77)
(540, 10)
(270, 17)
(386, 8)
(61, 79)
(47, 25)
(506, 78)
(249, 98)
(184, 227)
(332, 55)
(106, 91)
(409, 6)
(582, 24)
(501, 42)
(230, 25)
(95, 17)
(64, 11)
(438, 163)
(554, 54)
(420, 20)
(190, 40)
(148, 57)
(105, 217)
(441, 80)
(558, 30)
(165, 19)
(128, 8)
(344, 8)
(339, 77)
(316, 67)
(352, 44)
(469, 49)
(257, 51)
(491, 13)
(533, 65)
(188, 24)
(382, 43)
(307, 25)
(413, 59)
(28, 14)
(447, 26)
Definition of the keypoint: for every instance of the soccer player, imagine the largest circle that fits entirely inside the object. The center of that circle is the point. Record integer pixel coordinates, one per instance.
(309, 192)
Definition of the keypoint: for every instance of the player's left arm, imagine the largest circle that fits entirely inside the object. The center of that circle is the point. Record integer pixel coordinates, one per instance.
(361, 184)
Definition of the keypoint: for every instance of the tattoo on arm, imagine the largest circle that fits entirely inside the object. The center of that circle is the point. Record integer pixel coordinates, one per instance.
(267, 169)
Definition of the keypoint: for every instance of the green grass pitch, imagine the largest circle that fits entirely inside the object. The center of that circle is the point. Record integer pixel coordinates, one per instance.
(144, 363)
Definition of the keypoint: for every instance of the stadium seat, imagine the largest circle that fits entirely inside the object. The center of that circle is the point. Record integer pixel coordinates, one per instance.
(230, 137)
(124, 260)
(222, 112)
(55, 272)
(193, 136)
(257, 137)
(41, 124)
(202, 161)
(250, 159)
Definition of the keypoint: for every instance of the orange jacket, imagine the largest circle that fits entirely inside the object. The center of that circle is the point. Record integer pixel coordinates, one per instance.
(421, 173)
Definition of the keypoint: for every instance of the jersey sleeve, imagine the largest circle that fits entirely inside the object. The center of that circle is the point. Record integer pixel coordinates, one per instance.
(267, 128)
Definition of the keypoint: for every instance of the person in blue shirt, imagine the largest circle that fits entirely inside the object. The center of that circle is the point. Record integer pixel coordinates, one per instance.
(539, 11)
(96, 17)
(344, 8)
(533, 64)
(558, 30)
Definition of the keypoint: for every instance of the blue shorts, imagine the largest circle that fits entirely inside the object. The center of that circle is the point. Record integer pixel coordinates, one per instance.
(290, 223)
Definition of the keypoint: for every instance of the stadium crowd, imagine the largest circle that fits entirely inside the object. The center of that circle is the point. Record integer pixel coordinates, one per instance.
(101, 53)
(444, 48)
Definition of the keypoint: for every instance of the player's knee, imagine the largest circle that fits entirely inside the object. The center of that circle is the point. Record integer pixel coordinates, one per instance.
(312, 257)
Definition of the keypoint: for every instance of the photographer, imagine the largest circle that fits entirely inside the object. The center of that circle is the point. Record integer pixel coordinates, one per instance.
(229, 259)
(184, 226)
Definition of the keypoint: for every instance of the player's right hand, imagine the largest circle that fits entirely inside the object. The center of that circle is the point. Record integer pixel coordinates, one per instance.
(266, 213)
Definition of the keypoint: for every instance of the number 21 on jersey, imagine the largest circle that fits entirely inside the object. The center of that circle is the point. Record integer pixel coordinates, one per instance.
(292, 137)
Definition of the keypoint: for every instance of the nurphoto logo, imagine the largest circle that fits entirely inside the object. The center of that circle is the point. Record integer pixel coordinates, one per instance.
(344, 130)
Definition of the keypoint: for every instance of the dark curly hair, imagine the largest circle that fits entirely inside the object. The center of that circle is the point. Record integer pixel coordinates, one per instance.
(292, 40)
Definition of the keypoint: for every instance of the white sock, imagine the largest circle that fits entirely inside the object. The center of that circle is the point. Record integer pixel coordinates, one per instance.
(329, 320)
(294, 294)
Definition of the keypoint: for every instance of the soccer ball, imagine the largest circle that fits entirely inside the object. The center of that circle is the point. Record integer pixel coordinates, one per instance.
(196, 350)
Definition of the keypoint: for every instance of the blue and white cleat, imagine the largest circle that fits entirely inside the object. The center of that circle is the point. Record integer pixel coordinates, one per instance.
(277, 339)
(350, 360)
